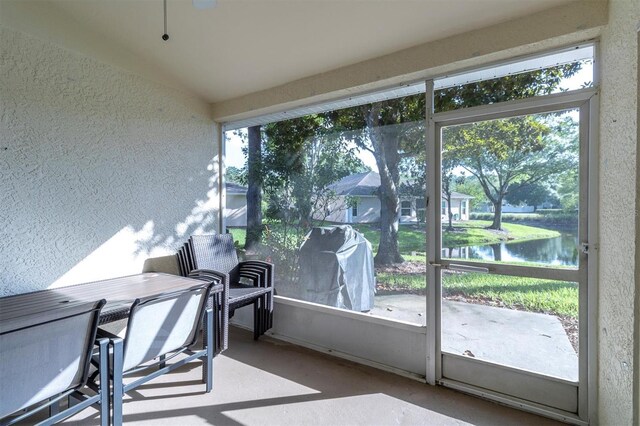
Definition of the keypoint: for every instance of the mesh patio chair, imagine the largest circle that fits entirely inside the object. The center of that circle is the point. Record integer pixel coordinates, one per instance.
(249, 282)
(46, 358)
(173, 265)
(158, 329)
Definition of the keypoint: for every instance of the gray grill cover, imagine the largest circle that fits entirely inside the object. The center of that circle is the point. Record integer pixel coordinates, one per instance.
(336, 268)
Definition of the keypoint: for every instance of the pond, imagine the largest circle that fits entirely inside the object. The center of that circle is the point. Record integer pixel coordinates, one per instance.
(558, 251)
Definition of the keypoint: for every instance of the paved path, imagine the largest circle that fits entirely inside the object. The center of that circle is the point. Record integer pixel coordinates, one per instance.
(530, 341)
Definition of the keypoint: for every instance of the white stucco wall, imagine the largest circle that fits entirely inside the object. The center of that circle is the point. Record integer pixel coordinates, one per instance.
(99, 168)
(618, 236)
(368, 210)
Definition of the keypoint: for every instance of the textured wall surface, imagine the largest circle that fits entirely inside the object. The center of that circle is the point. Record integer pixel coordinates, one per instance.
(99, 168)
(618, 132)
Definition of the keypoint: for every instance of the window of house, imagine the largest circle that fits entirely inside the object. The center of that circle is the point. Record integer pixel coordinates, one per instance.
(354, 210)
(463, 206)
(405, 208)
(444, 207)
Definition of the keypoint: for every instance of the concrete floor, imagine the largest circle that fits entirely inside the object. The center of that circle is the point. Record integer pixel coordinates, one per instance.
(525, 340)
(274, 383)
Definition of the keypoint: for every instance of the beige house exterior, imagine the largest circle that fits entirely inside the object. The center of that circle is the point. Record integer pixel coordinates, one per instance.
(355, 201)
(235, 210)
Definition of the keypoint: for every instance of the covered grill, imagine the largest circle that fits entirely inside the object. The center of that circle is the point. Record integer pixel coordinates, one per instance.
(336, 268)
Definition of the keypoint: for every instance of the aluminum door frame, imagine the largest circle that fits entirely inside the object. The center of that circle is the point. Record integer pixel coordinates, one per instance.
(586, 101)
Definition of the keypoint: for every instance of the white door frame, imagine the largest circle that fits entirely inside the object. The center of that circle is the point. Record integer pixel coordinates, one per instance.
(586, 100)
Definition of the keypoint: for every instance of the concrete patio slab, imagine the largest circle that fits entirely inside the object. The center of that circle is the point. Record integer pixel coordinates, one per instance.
(524, 340)
(270, 382)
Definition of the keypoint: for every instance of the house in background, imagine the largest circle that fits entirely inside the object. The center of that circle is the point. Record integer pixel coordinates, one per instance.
(460, 206)
(235, 211)
(356, 201)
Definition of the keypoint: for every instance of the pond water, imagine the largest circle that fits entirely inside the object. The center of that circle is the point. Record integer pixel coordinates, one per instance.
(558, 251)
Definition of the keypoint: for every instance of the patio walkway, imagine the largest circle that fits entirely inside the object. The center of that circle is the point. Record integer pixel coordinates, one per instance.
(274, 383)
(526, 340)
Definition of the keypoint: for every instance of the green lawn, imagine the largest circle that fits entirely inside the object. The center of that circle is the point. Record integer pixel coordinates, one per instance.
(530, 294)
(554, 297)
(412, 238)
(470, 233)
(239, 235)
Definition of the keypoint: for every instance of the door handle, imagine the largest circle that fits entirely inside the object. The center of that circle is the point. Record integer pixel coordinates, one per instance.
(467, 268)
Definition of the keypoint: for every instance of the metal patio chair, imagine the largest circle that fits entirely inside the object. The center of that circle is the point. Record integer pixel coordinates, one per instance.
(160, 328)
(46, 358)
(249, 282)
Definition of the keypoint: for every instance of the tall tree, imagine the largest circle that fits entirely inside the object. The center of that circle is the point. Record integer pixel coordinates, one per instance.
(254, 191)
(301, 163)
(390, 130)
(508, 153)
(492, 152)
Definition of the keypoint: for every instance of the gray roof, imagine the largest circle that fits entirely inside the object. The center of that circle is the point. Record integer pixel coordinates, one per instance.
(455, 194)
(367, 183)
(234, 188)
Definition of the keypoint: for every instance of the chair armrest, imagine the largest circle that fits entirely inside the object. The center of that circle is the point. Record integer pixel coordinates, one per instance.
(210, 274)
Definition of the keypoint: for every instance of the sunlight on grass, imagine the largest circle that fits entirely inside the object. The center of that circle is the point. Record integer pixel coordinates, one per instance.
(537, 295)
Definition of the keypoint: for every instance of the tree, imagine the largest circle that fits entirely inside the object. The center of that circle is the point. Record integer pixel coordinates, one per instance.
(472, 187)
(507, 154)
(531, 194)
(449, 181)
(518, 86)
(236, 175)
(302, 162)
(390, 130)
(254, 191)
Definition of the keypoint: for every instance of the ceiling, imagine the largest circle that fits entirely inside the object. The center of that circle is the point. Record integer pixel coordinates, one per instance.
(244, 46)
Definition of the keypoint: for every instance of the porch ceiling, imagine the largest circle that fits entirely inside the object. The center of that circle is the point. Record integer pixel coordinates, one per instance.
(244, 46)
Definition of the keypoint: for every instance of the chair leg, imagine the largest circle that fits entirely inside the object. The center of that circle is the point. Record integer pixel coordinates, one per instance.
(116, 379)
(256, 319)
(207, 361)
(55, 408)
(104, 383)
(162, 364)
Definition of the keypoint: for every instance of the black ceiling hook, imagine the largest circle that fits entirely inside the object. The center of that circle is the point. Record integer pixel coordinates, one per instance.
(165, 36)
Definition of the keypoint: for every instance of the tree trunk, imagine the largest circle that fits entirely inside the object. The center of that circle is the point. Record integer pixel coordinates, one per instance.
(385, 150)
(497, 215)
(449, 214)
(254, 192)
(388, 250)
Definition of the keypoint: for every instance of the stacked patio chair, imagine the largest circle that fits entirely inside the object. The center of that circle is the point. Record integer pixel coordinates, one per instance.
(46, 357)
(246, 283)
(158, 329)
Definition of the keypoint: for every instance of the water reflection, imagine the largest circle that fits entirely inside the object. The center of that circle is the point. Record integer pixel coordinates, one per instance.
(558, 251)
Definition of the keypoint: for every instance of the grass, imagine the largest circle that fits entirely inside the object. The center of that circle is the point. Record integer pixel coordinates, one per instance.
(239, 235)
(470, 233)
(529, 294)
(536, 295)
